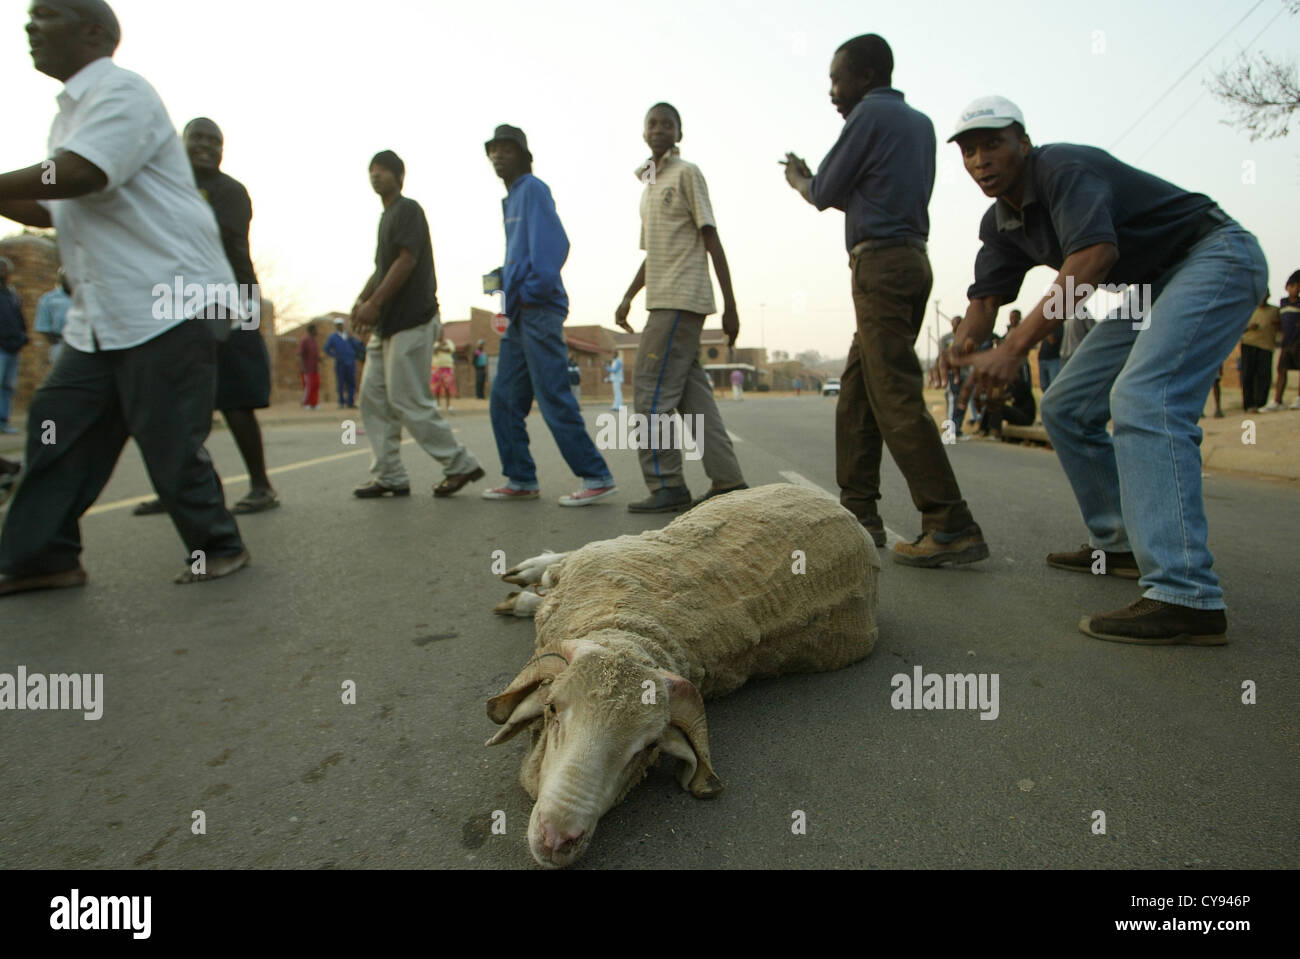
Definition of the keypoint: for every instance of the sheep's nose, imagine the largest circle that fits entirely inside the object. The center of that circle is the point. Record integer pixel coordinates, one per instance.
(558, 841)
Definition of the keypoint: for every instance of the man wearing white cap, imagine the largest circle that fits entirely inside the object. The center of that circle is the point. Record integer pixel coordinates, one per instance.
(1194, 276)
(880, 172)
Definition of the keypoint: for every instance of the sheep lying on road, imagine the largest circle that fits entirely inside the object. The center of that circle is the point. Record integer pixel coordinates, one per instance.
(634, 633)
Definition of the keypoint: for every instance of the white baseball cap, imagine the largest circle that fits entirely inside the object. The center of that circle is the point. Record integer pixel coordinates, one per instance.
(987, 113)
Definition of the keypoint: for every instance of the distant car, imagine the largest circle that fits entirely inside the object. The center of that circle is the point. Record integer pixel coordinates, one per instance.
(831, 387)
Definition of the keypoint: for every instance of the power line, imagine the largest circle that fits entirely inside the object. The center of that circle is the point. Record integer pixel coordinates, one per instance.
(1183, 76)
(1246, 49)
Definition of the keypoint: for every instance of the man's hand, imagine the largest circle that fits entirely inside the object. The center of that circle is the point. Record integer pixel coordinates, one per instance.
(950, 361)
(796, 171)
(364, 317)
(992, 370)
(620, 315)
(730, 323)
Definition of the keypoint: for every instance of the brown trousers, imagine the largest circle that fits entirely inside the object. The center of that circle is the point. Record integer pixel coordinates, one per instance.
(880, 396)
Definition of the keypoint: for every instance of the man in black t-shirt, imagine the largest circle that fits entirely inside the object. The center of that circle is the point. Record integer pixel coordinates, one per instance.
(398, 310)
(243, 364)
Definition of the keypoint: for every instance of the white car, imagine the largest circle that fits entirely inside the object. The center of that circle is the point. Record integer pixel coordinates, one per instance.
(831, 387)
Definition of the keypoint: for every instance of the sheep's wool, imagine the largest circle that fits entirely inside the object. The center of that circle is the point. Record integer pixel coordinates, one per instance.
(756, 583)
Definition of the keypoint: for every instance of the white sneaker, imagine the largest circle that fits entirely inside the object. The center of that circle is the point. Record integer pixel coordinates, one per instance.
(1296, 404)
(1270, 407)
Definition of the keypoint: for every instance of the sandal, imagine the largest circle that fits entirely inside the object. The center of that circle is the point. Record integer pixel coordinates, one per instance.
(256, 501)
(454, 484)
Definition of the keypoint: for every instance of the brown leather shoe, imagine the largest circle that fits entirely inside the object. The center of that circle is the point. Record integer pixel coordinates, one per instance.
(1149, 622)
(937, 548)
(26, 584)
(454, 484)
(217, 568)
(1123, 565)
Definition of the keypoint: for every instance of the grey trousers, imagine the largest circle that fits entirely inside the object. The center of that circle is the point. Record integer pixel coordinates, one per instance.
(395, 392)
(669, 377)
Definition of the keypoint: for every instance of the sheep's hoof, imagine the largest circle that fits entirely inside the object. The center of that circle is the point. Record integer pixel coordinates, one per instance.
(507, 606)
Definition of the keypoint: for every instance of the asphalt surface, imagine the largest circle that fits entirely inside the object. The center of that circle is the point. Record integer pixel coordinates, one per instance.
(226, 697)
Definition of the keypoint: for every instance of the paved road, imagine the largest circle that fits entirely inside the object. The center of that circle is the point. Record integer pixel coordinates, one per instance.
(226, 697)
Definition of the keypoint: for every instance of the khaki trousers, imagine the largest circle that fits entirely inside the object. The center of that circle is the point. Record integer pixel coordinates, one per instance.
(669, 377)
(395, 393)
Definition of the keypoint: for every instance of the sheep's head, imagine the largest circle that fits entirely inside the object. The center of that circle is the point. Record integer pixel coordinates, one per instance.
(599, 721)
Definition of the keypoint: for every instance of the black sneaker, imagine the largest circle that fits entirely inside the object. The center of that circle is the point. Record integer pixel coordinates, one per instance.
(1123, 565)
(376, 490)
(151, 508)
(666, 499)
(1149, 622)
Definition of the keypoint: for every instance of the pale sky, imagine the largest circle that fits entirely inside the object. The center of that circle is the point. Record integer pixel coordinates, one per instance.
(307, 93)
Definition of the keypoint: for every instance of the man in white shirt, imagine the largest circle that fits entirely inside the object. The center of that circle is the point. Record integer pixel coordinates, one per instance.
(152, 294)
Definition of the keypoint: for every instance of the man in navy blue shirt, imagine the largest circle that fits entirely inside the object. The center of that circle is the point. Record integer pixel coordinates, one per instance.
(533, 361)
(881, 174)
(1193, 277)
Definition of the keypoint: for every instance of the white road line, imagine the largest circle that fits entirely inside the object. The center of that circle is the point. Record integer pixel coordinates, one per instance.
(800, 480)
(734, 437)
(228, 480)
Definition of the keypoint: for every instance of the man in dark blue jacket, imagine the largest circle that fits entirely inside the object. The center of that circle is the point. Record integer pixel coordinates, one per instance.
(533, 359)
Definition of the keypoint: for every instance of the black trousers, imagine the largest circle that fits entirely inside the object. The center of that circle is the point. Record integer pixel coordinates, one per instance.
(1256, 375)
(161, 393)
(480, 380)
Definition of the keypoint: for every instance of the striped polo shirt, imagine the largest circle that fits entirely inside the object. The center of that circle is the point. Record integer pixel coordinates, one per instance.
(674, 208)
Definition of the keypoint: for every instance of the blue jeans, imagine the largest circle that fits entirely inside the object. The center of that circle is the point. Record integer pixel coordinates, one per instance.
(8, 375)
(1141, 490)
(533, 362)
(1048, 370)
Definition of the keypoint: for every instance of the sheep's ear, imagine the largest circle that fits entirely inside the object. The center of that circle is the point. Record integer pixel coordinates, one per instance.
(688, 732)
(528, 709)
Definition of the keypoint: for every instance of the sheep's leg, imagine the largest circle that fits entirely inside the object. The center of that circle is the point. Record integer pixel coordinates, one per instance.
(530, 571)
(522, 605)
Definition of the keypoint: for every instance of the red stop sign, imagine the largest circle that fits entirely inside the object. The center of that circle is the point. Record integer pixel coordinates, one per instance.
(499, 324)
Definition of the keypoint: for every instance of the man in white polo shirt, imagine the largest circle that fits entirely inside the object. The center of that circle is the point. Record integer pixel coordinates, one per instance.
(143, 253)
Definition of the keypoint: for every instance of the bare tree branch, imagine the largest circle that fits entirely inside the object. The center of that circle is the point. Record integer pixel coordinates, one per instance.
(1262, 93)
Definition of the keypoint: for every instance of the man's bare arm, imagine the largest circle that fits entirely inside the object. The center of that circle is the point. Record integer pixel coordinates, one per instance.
(730, 319)
(64, 177)
(1090, 266)
(397, 274)
(27, 212)
(624, 308)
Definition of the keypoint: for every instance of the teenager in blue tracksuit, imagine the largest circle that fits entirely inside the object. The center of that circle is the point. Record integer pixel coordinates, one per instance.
(533, 358)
